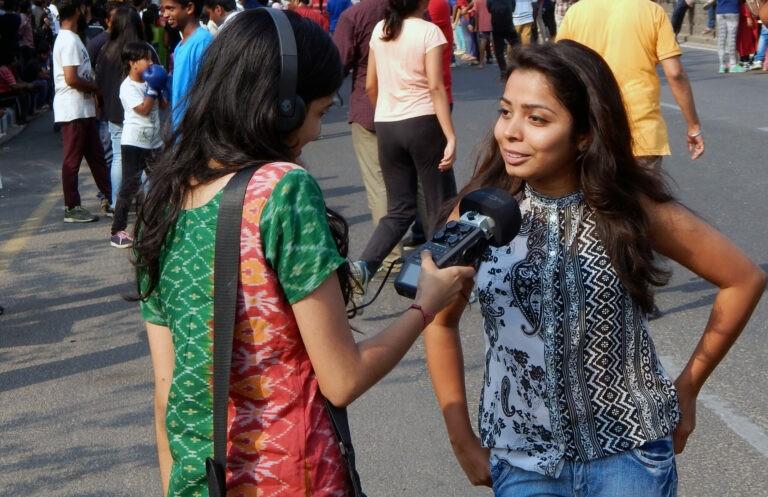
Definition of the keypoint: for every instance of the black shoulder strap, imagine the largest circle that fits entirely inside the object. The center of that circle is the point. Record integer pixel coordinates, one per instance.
(226, 276)
(340, 424)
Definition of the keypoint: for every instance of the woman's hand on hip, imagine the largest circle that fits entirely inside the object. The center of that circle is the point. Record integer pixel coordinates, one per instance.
(687, 423)
(475, 461)
(449, 156)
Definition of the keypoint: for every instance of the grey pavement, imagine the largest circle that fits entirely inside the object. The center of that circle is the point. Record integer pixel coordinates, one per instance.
(75, 376)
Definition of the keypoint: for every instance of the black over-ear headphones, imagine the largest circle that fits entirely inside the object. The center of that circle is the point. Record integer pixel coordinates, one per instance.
(290, 107)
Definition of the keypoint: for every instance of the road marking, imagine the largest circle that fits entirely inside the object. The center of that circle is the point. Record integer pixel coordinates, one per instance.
(12, 247)
(670, 106)
(763, 129)
(737, 422)
(698, 47)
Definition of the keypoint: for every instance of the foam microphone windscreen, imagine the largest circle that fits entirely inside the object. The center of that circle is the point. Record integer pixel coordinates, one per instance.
(500, 206)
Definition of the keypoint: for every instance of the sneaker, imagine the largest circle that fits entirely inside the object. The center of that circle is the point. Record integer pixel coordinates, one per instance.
(106, 209)
(121, 240)
(737, 69)
(79, 214)
(756, 65)
(361, 277)
(722, 70)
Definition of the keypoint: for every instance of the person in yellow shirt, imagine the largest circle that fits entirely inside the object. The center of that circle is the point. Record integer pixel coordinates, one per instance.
(633, 36)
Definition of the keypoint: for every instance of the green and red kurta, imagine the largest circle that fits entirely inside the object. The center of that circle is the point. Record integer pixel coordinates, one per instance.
(280, 439)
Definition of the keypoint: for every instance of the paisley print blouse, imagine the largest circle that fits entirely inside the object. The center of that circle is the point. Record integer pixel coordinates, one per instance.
(571, 371)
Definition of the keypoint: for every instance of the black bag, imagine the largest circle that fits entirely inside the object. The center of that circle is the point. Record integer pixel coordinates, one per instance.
(225, 281)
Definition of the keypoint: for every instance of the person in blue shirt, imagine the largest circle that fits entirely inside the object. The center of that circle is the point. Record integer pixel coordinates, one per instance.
(335, 8)
(184, 15)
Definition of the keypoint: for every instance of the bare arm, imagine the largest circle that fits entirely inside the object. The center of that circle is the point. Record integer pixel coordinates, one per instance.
(146, 106)
(372, 80)
(434, 66)
(683, 94)
(346, 369)
(764, 14)
(163, 357)
(678, 234)
(73, 80)
(445, 361)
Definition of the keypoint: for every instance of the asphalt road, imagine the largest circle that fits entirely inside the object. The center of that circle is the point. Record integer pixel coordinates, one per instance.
(75, 377)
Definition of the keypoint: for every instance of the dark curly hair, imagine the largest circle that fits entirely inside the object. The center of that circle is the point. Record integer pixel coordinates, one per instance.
(613, 182)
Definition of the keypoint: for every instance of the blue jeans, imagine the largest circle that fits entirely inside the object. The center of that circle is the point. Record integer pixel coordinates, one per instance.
(458, 35)
(646, 471)
(116, 169)
(469, 38)
(761, 44)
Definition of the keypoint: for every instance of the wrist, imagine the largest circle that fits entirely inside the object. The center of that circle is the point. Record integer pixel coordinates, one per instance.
(694, 130)
(461, 440)
(686, 387)
(426, 316)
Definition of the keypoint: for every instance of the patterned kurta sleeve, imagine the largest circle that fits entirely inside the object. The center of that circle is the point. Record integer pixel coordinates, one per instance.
(295, 235)
(151, 309)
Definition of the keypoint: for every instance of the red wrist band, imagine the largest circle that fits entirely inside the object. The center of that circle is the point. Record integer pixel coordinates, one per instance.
(427, 317)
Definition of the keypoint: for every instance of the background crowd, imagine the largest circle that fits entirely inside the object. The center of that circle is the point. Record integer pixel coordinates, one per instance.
(478, 32)
(28, 29)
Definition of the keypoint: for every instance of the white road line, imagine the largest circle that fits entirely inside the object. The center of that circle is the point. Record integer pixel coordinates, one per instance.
(698, 47)
(670, 106)
(737, 422)
(763, 129)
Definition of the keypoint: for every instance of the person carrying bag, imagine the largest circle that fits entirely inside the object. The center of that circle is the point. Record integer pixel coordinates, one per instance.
(227, 259)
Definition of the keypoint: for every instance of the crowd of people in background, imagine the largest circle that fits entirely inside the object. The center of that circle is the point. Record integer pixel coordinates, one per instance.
(476, 32)
(741, 35)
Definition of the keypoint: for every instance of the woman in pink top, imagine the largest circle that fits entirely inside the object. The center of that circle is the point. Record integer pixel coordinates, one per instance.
(416, 140)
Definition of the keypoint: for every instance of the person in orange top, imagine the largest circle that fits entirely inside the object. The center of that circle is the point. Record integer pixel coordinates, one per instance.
(634, 36)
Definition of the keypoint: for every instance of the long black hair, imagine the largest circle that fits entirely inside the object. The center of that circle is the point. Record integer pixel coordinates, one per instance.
(231, 120)
(397, 12)
(613, 182)
(149, 19)
(126, 27)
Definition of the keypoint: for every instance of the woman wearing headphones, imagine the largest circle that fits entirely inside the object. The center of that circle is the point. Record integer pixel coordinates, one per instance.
(292, 341)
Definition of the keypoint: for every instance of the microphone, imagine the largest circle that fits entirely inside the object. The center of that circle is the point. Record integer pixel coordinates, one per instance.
(489, 217)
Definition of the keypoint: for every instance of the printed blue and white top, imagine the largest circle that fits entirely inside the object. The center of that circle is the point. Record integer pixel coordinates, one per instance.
(571, 371)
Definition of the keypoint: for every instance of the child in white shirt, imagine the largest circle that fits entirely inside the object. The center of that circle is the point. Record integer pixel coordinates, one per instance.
(141, 95)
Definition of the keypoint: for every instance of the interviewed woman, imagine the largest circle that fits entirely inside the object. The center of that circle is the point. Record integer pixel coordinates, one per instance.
(575, 400)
